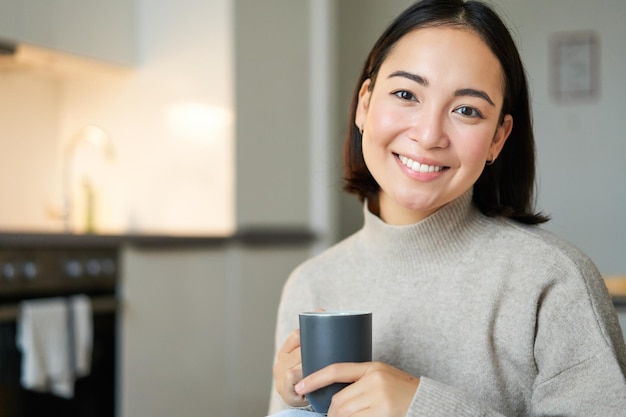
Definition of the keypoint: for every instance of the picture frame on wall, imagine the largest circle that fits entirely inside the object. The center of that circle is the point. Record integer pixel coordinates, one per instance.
(575, 62)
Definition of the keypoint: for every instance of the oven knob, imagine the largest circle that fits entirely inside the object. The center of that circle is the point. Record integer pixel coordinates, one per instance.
(93, 267)
(73, 269)
(9, 272)
(29, 270)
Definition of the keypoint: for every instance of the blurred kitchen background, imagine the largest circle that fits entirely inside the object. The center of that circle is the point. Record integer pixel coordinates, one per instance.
(215, 127)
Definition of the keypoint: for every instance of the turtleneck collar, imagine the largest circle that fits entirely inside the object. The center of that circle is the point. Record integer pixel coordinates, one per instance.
(440, 237)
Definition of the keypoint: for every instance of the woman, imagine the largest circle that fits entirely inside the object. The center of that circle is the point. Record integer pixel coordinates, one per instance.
(477, 311)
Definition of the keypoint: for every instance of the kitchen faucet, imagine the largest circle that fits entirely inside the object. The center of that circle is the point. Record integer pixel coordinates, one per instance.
(96, 137)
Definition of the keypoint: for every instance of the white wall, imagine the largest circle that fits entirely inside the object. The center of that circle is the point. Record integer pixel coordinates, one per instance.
(29, 104)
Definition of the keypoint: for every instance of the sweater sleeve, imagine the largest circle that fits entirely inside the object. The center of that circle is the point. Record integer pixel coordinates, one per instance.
(579, 352)
(434, 399)
(580, 355)
(595, 386)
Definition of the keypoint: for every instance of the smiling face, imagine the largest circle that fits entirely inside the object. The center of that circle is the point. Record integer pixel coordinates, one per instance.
(431, 121)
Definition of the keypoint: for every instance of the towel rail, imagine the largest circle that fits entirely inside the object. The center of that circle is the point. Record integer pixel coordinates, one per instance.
(99, 304)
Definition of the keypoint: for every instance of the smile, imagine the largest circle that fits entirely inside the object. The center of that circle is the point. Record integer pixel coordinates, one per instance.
(417, 167)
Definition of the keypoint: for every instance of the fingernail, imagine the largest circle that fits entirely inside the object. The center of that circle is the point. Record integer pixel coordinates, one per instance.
(299, 387)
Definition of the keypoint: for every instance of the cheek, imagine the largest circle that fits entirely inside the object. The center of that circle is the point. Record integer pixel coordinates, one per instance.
(384, 124)
(474, 146)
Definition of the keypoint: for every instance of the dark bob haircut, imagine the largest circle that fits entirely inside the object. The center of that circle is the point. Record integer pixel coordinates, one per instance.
(506, 187)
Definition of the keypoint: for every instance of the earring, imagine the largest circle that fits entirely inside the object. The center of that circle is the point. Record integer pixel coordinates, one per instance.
(489, 162)
(361, 130)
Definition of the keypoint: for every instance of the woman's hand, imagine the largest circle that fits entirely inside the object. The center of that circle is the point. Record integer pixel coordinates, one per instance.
(377, 389)
(288, 371)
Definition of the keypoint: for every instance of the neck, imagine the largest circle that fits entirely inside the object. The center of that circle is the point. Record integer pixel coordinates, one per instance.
(393, 213)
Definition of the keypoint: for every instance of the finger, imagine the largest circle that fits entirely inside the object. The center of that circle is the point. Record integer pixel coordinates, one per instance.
(292, 342)
(294, 375)
(289, 360)
(288, 367)
(382, 391)
(285, 379)
(287, 370)
(338, 372)
(350, 401)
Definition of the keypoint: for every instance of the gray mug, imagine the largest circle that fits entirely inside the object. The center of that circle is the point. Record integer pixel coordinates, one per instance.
(332, 337)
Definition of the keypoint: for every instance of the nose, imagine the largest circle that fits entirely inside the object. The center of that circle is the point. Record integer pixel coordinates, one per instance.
(428, 127)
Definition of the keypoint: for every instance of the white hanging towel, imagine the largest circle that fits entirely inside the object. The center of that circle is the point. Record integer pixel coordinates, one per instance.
(55, 336)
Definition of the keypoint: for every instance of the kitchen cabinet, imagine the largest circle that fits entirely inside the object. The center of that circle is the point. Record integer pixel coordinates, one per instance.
(8, 21)
(273, 141)
(197, 326)
(101, 30)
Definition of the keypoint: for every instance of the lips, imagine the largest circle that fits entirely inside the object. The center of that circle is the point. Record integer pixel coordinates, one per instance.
(417, 167)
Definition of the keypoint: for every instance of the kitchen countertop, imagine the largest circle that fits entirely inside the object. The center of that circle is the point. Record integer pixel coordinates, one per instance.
(264, 236)
(256, 236)
(617, 289)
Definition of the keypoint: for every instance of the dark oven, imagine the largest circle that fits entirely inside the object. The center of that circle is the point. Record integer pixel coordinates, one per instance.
(56, 272)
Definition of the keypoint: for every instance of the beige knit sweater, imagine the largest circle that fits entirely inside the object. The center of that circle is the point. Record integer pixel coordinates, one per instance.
(496, 318)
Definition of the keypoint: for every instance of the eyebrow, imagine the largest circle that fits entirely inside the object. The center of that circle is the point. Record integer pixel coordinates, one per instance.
(474, 93)
(471, 92)
(413, 77)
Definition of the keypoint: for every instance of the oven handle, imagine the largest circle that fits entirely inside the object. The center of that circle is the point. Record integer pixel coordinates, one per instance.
(100, 304)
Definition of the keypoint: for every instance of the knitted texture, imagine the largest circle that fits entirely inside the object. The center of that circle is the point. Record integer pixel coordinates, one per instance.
(495, 317)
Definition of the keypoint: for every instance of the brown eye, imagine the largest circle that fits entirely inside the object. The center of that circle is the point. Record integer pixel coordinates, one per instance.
(468, 112)
(405, 95)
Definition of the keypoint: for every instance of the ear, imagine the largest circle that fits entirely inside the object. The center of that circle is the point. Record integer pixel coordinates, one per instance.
(502, 133)
(363, 104)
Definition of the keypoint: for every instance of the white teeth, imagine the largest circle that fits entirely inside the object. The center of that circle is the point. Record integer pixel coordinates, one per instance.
(417, 167)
